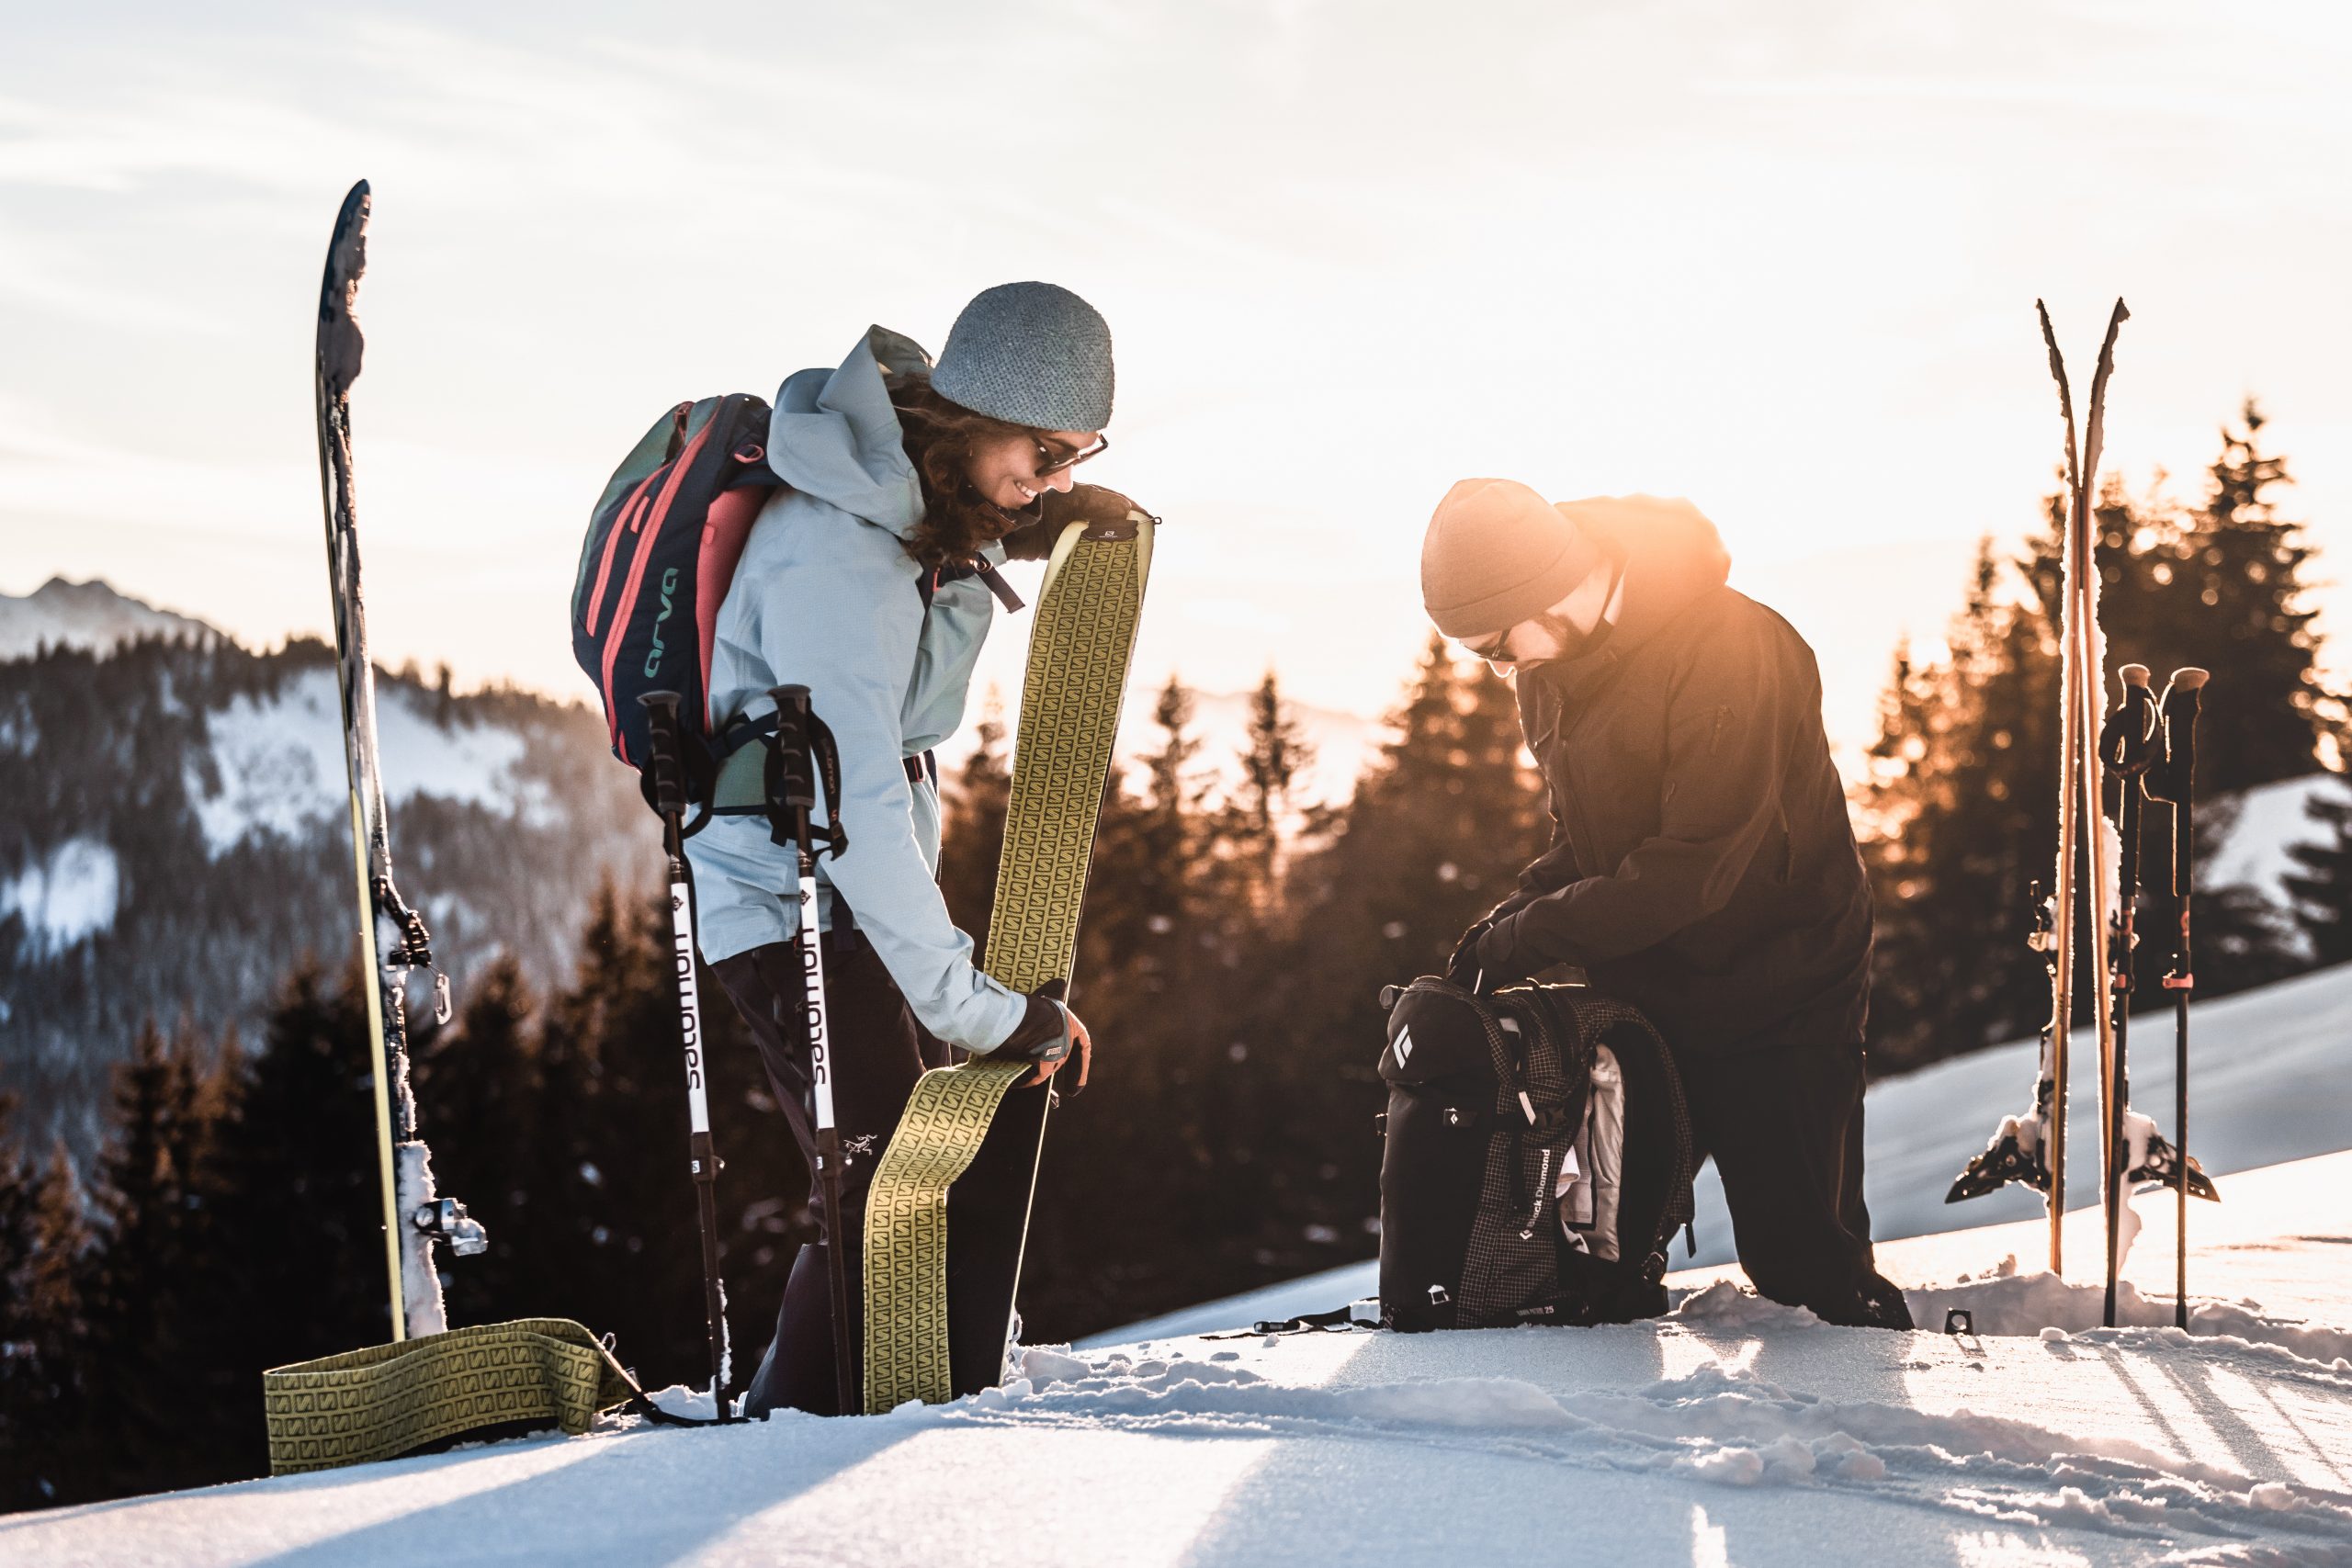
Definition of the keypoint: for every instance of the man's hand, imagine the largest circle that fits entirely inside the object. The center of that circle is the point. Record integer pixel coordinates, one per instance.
(1502, 958)
(1463, 967)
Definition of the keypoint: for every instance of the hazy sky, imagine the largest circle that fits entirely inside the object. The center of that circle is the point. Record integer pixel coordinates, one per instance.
(1781, 259)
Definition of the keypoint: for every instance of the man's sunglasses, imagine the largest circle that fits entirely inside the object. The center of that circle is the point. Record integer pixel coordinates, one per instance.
(1487, 648)
(1051, 461)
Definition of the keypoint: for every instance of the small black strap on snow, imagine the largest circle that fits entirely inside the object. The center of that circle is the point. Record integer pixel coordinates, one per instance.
(641, 1403)
(1338, 1320)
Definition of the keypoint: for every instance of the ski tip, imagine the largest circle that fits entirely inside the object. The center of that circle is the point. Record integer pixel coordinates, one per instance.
(2134, 674)
(2189, 679)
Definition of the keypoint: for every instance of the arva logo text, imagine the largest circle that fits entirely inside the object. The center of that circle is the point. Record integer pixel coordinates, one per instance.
(653, 657)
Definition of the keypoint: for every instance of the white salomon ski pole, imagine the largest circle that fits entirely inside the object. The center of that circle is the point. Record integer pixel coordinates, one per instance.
(803, 753)
(667, 778)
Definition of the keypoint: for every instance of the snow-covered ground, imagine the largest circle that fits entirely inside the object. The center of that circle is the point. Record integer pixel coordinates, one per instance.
(1732, 1432)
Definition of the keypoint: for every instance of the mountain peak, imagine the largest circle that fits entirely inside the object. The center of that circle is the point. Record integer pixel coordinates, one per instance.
(93, 614)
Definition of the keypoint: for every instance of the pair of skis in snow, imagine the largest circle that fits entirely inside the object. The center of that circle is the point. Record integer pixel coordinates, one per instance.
(392, 938)
(2149, 746)
(393, 941)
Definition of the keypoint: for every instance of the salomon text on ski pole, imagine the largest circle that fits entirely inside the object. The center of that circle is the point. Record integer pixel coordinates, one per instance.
(802, 753)
(665, 786)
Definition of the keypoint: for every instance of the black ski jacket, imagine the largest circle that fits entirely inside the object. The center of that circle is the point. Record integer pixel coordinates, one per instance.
(1703, 866)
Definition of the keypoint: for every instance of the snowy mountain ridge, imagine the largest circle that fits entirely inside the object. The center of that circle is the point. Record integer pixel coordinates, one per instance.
(92, 616)
(177, 823)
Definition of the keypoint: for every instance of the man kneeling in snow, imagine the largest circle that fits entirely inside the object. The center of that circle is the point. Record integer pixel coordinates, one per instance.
(1701, 864)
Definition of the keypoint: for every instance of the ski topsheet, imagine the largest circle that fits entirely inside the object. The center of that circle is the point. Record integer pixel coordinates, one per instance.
(392, 938)
(960, 1124)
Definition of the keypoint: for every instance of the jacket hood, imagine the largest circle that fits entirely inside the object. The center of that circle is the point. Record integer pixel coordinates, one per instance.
(1670, 555)
(835, 436)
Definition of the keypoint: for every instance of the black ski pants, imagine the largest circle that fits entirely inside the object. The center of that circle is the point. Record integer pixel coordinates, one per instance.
(1784, 1125)
(879, 1053)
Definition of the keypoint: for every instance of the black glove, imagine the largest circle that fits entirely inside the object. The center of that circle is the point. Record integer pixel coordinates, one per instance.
(1502, 958)
(1463, 967)
(1041, 1035)
(1033, 540)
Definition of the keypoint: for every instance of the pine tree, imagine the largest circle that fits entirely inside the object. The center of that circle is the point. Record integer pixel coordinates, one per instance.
(46, 1444)
(2322, 890)
(2221, 587)
(152, 1370)
(477, 1096)
(1958, 826)
(1275, 752)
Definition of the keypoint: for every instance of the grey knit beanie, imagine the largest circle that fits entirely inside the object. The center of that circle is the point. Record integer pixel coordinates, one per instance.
(1029, 354)
(1496, 554)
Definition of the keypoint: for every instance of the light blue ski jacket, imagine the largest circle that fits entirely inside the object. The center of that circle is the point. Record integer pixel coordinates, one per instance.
(826, 596)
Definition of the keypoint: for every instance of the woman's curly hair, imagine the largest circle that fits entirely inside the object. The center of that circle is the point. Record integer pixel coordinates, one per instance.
(956, 519)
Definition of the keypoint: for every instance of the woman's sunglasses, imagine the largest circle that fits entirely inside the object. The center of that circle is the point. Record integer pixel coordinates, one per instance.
(1051, 461)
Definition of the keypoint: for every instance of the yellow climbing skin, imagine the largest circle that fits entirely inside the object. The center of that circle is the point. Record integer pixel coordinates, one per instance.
(381, 1401)
(1079, 650)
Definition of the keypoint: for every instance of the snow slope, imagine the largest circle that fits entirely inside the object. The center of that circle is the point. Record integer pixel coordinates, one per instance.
(276, 763)
(1732, 1432)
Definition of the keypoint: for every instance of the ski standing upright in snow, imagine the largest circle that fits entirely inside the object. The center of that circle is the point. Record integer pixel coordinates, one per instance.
(2136, 743)
(2031, 1148)
(392, 938)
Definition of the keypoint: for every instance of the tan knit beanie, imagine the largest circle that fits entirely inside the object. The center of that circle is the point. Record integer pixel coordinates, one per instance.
(1496, 554)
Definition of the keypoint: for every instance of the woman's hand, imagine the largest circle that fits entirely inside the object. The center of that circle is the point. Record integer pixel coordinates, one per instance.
(1081, 1047)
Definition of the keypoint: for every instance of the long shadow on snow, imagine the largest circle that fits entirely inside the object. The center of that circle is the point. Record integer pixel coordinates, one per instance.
(652, 1496)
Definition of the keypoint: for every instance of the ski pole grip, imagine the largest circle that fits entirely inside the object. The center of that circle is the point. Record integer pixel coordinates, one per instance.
(2127, 740)
(2182, 699)
(796, 779)
(667, 775)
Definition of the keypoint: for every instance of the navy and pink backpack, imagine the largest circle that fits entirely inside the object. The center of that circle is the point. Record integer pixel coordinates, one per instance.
(660, 551)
